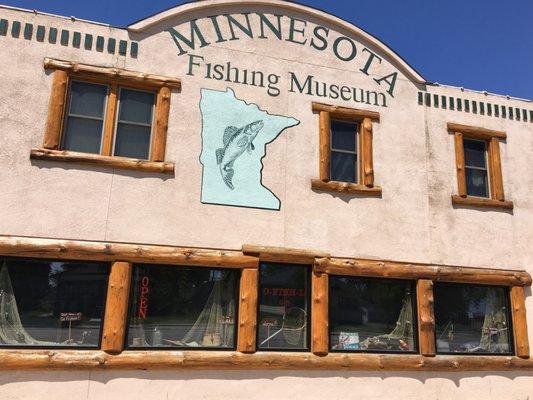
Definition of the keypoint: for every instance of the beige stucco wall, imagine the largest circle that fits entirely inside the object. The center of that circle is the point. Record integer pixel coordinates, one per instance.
(414, 220)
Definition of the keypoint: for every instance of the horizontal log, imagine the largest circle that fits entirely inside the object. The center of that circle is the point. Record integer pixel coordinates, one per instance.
(482, 202)
(136, 253)
(475, 131)
(11, 360)
(282, 254)
(105, 161)
(345, 112)
(122, 75)
(402, 270)
(345, 187)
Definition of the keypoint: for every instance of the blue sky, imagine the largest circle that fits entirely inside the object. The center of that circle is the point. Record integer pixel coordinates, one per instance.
(478, 44)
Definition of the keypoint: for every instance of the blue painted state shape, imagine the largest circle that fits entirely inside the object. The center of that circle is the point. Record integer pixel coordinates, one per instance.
(223, 109)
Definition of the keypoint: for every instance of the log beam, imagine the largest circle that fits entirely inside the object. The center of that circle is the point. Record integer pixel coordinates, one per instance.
(116, 309)
(518, 307)
(426, 318)
(345, 112)
(11, 360)
(247, 334)
(403, 270)
(319, 313)
(283, 254)
(475, 132)
(56, 108)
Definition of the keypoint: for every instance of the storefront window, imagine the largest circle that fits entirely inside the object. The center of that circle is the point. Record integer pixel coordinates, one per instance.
(51, 303)
(472, 319)
(283, 307)
(175, 306)
(368, 314)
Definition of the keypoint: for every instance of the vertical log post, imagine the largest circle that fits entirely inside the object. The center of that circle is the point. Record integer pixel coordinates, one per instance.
(116, 307)
(246, 336)
(109, 125)
(324, 141)
(496, 169)
(426, 318)
(159, 139)
(56, 108)
(460, 164)
(319, 313)
(518, 306)
(366, 153)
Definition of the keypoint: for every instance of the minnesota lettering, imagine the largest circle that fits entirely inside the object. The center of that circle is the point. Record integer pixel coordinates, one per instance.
(232, 27)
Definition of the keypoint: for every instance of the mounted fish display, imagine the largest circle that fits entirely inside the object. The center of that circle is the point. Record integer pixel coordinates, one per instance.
(235, 142)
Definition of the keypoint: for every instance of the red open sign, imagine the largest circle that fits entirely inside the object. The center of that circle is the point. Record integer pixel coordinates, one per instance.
(142, 304)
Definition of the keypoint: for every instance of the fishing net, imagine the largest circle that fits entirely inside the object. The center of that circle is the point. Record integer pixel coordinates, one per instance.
(401, 337)
(294, 322)
(11, 330)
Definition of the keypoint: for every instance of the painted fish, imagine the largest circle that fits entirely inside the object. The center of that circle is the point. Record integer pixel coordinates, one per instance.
(235, 142)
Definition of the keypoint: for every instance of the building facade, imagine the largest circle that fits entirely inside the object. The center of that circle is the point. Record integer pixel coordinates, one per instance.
(255, 199)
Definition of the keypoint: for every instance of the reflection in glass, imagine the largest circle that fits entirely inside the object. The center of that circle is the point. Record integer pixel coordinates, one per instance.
(472, 319)
(134, 125)
(343, 163)
(283, 306)
(476, 168)
(371, 314)
(51, 303)
(85, 117)
(174, 306)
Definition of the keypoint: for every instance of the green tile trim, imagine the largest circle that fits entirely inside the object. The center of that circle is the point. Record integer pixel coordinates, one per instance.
(122, 47)
(510, 113)
(436, 100)
(41, 31)
(134, 49)
(28, 31)
(443, 102)
(474, 107)
(99, 43)
(52, 35)
(482, 108)
(76, 40)
(111, 44)
(530, 115)
(496, 110)
(467, 105)
(489, 109)
(517, 113)
(504, 112)
(3, 27)
(524, 115)
(64, 37)
(452, 104)
(428, 100)
(420, 98)
(459, 104)
(15, 29)
(88, 42)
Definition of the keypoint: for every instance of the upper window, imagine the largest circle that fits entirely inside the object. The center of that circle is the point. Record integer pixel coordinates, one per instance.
(472, 319)
(108, 116)
(369, 314)
(51, 303)
(346, 160)
(479, 169)
(283, 322)
(175, 306)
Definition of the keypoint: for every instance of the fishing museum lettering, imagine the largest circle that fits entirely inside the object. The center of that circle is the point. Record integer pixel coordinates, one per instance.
(206, 31)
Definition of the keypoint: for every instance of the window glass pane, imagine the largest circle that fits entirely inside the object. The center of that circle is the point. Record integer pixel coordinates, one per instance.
(371, 314)
(472, 319)
(87, 99)
(132, 141)
(51, 303)
(83, 135)
(136, 106)
(343, 167)
(283, 306)
(175, 306)
(476, 182)
(343, 135)
(475, 151)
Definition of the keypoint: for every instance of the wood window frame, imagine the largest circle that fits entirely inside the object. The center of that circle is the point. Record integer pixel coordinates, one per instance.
(114, 78)
(112, 355)
(365, 179)
(492, 139)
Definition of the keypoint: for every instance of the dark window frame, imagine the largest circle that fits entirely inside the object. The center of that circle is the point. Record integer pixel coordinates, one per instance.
(174, 347)
(511, 333)
(98, 346)
(414, 294)
(309, 268)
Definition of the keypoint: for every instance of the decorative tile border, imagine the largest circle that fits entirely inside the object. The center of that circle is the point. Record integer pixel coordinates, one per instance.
(28, 33)
(475, 107)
